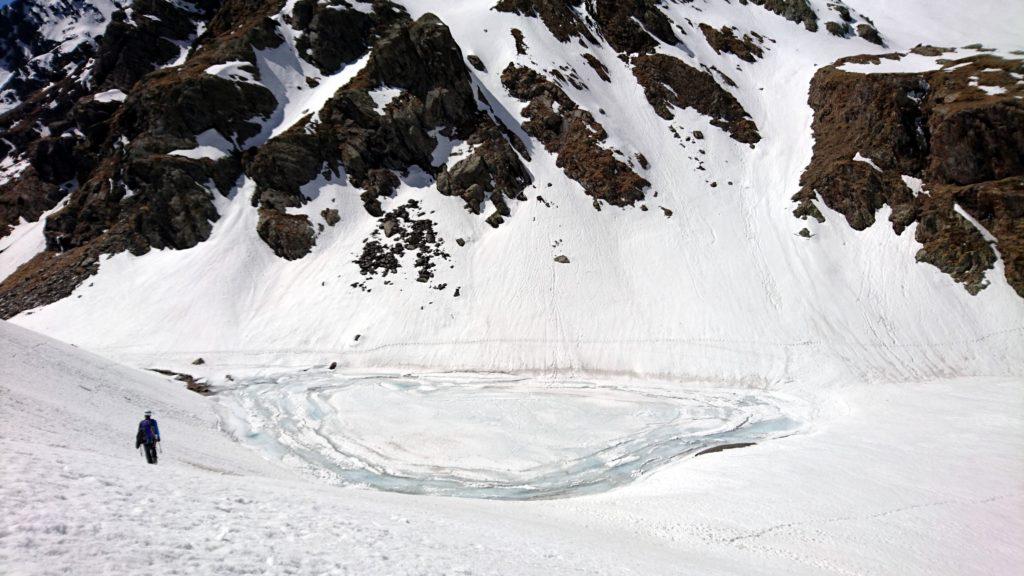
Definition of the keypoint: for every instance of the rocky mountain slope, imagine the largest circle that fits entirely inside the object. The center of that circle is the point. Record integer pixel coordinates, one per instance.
(525, 181)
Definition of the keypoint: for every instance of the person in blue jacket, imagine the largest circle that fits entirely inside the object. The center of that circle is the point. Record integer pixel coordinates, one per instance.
(148, 436)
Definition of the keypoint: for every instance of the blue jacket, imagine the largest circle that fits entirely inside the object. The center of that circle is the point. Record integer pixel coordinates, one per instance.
(149, 432)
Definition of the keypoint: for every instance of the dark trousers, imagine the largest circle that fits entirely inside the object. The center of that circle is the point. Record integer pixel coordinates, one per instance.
(150, 449)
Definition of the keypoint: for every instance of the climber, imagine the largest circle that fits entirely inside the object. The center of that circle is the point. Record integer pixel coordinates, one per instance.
(148, 437)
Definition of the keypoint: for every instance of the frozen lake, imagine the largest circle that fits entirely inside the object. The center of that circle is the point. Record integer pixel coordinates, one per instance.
(490, 436)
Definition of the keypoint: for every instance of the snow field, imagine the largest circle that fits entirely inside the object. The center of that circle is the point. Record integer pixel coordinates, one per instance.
(914, 479)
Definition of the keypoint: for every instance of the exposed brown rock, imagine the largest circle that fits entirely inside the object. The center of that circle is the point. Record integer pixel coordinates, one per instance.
(796, 10)
(48, 277)
(575, 136)
(422, 59)
(965, 145)
(668, 81)
(632, 26)
(493, 169)
(629, 26)
(476, 62)
(725, 40)
(197, 385)
(869, 33)
(841, 29)
(517, 35)
(335, 34)
(598, 66)
(563, 23)
(925, 50)
(330, 216)
(26, 196)
(290, 236)
(999, 207)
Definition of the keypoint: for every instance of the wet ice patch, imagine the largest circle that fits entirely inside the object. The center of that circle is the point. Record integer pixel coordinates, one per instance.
(500, 438)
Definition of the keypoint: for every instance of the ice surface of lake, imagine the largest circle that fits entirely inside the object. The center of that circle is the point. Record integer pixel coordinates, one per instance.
(490, 436)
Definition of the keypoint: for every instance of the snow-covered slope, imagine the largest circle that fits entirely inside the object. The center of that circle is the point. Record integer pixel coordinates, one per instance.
(724, 289)
(918, 480)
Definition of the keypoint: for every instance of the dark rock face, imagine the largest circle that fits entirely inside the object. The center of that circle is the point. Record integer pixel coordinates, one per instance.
(669, 81)
(27, 196)
(557, 15)
(575, 136)
(168, 208)
(422, 59)
(53, 99)
(632, 26)
(289, 235)
(796, 10)
(725, 40)
(869, 33)
(598, 66)
(332, 35)
(966, 146)
(476, 62)
(131, 48)
(629, 26)
(520, 40)
(282, 166)
(48, 277)
(492, 170)
(841, 29)
(330, 216)
(132, 195)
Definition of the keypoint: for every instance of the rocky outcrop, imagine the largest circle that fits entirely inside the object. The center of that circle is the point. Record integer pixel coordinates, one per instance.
(282, 166)
(335, 33)
(598, 66)
(668, 81)
(48, 277)
(575, 136)
(131, 195)
(629, 26)
(56, 123)
(869, 33)
(725, 40)
(964, 145)
(796, 10)
(632, 26)
(557, 15)
(290, 236)
(423, 61)
(134, 45)
(492, 170)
